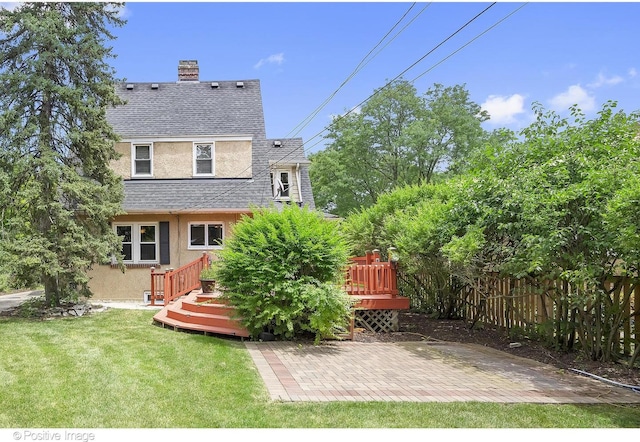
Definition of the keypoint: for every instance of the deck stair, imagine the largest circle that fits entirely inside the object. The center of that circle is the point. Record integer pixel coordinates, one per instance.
(372, 282)
(205, 313)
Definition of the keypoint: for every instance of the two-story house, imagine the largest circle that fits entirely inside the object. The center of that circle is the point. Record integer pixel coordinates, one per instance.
(195, 158)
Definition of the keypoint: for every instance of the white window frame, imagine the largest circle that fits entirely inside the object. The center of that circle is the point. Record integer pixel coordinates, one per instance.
(136, 241)
(206, 235)
(275, 180)
(213, 159)
(133, 160)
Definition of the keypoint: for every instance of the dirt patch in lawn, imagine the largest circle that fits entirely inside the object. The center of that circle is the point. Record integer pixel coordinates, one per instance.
(417, 326)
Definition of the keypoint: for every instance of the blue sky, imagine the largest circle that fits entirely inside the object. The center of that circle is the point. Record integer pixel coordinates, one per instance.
(556, 54)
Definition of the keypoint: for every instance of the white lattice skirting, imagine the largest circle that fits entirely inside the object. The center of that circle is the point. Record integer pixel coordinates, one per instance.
(377, 321)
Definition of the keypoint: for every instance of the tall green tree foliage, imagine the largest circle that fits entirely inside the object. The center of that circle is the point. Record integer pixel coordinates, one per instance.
(397, 138)
(558, 205)
(56, 144)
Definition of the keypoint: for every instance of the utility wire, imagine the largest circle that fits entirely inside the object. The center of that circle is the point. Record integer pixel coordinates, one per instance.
(427, 71)
(365, 60)
(259, 174)
(399, 75)
(357, 69)
(305, 149)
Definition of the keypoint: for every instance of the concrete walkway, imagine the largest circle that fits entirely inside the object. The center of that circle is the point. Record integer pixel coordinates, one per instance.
(420, 372)
(13, 300)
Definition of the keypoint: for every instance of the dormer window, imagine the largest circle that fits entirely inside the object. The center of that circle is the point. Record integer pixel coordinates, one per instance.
(281, 184)
(142, 160)
(203, 159)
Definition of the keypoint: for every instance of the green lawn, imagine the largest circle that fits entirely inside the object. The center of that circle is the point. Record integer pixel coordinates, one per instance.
(116, 370)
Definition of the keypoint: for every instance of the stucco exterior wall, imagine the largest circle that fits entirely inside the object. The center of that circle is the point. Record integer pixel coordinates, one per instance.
(233, 159)
(122, 166)
(174, 159)
(109, 283)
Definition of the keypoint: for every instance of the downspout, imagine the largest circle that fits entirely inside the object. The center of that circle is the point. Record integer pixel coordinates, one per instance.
(299, 183)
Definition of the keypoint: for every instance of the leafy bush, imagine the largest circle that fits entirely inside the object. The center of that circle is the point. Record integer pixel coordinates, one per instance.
(282, 270)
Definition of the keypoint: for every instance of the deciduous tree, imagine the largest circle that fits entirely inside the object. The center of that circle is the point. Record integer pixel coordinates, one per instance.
(397, 138)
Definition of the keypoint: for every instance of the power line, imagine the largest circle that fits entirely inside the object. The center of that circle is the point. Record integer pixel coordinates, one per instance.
(469, 42)
(370, 96)
(358, 68)
(305, 149)
(430, 69)
(365, 60)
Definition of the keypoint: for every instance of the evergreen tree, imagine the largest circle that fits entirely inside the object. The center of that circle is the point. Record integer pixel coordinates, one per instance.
(56, 144)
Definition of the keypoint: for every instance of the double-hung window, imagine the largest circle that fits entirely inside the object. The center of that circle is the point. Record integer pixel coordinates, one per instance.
(139, 242)
(142, 165)
(281, 184)
(203, 159)
(206, 235)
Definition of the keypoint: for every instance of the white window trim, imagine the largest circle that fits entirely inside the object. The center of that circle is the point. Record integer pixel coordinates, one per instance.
(133, 160)
(276, 180)
(213, 159)
(135, 241)
(206, 234)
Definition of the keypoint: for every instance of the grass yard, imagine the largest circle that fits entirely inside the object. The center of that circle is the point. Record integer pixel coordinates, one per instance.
(116, 370)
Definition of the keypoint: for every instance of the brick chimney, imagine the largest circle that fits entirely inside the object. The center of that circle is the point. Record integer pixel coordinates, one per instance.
(188, 70)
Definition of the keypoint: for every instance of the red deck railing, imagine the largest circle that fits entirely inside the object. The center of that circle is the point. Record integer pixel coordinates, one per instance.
(370, 276)
(169, 285)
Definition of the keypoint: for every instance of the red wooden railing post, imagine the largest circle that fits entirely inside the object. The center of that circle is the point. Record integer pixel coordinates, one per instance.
(168, 286)
(153, 286)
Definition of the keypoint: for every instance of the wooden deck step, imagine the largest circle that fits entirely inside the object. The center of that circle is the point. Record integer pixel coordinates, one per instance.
(202, 318)
(211, 308)
(189, 313)
(161, 318)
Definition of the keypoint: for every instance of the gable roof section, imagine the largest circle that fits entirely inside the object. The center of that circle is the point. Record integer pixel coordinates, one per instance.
(188, 109)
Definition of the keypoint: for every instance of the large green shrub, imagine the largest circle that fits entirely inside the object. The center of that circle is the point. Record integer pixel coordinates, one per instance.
(282, 270)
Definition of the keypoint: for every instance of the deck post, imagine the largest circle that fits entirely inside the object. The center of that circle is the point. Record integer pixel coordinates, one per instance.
(153, 286)
(168, 286)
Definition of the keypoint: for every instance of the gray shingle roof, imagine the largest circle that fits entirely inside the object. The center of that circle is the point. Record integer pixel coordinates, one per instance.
(189, 109)
(196, 109)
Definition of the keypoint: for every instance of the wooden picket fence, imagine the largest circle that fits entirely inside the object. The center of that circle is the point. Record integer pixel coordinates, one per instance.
(522, 304)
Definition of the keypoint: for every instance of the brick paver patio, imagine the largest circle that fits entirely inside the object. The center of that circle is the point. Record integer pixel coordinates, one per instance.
(419, 372)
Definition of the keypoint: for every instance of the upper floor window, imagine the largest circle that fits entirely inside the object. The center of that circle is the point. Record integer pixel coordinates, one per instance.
(203, 159)
(281, 184)
(206, 235)
(142, 160)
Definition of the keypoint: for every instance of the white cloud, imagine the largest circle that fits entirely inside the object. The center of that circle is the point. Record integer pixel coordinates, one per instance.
(503, 110)
(271, 59)
(604, 81)
(575, 94)
(125, 12)
(632, 72)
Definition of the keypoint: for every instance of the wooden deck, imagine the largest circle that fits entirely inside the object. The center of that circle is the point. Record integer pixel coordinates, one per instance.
(371, 281)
